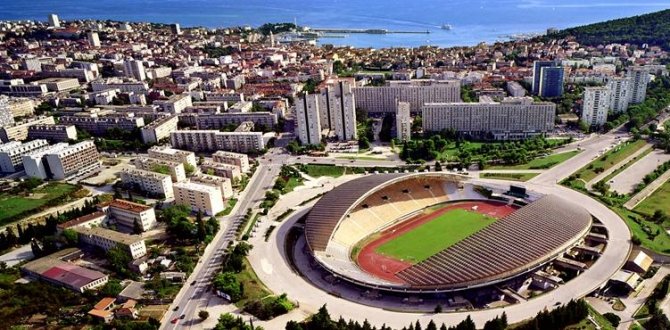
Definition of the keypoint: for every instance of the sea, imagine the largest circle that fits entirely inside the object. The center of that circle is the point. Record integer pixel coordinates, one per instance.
(471, 22)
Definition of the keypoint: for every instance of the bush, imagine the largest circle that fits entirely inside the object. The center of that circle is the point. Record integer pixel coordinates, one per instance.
(612, 318)
(268, 308)
(203, 314)
(227, 283)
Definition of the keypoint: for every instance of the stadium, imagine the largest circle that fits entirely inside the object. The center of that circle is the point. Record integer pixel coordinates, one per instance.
(438, 233)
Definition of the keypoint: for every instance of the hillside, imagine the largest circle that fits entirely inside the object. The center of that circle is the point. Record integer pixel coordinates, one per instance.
(653, 29)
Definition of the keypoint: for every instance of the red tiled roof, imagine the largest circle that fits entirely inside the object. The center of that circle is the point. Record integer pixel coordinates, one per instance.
(72, 275)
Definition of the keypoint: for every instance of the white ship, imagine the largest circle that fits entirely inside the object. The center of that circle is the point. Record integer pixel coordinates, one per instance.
(446, 27)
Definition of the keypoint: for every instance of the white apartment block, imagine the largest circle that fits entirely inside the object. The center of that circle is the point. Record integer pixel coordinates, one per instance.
(175, 169)
(596, 105)
(76, 159)
(224, 170)
(337, 110)
(134, 69)
(138, 87)
(21, 107)
(416, 92)
(199, 197)
(403, 122)
(100, 125)
(513, 118)
(233, 158)
(619, 89)
(93, 39)
(515, 89)
(208, 140)
(175, 103)
(19, 130)
(173, 155)
(54, 21)
(53, 133)
(34, 163)
(221, 120)
(639, 79)
(308, 119)
(225, 185)
(127, 214)
(159, 129)
(11, 154)
(59, 84)
(154, 183)
(108, 239)
(28, 90)
(6, 117)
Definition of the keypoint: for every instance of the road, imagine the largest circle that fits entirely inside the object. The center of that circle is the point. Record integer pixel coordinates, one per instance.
(191, 297)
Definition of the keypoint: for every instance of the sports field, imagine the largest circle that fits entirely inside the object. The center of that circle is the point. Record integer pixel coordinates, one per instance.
(434, 236)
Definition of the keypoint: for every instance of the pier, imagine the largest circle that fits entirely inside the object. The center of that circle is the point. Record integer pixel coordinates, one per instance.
(366, 31)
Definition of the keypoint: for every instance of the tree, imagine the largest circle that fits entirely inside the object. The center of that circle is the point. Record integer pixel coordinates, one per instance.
(227, 283)
(612, 318)
(203, 314)
(111, 289)
(438, 166)
(119, 259)
(189, 169)
(71, 237)
(293, 325)
(363, 143)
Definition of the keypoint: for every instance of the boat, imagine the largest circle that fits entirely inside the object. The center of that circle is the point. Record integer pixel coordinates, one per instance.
(446, 27)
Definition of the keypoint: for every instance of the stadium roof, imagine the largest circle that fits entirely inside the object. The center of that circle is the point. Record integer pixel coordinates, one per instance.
(517, 243)
(327, 212)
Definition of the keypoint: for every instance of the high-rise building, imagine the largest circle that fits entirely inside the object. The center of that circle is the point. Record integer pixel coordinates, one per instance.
(416, 92)
(175, 28)
(199, 197)
(153, 183)
(210, 140)
(308, 119)
(134, 69)
(596, 105)
(11, 154)
(511, 119)
(54, 21)
(233, 158)
(73, 160)
(337, 110)
(619, 89)
(403, 122)
(547, 79)
(93, 39)
(639, 79)
(173, 155)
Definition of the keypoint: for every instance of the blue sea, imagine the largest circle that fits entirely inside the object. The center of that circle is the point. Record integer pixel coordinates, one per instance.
(472, 21)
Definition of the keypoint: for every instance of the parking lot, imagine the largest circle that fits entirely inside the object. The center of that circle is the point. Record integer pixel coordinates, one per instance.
(626, 181)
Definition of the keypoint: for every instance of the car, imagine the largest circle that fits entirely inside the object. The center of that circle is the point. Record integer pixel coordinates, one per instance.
(175, 320)
(193, 283)
(183, 316)
(176, 308)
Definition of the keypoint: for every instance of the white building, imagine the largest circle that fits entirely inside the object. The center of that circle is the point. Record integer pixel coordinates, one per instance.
(107, 239)
(337, 110)
(233, 158)
(173, 155)
(154, 183)
(308, 119)
(93, 39)
(515, 89)
(11, 154)
(159, 129)
(34, 163)
(596, 105)
(403, 122)
(416, 92)
(199, 197)
(224, 170)
(127, 214)
(175, 103)
(76, 159)
(134, 69)
(54, 21)
(619, 89)
(59, 133)
(639, 79)
(511, 119)
(209, 140)
(175, 169)
(225, 185)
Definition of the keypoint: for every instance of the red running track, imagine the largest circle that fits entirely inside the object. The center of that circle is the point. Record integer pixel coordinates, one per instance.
(385, 267)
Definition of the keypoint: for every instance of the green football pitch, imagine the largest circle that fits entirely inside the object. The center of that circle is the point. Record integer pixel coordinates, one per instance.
(434, 236)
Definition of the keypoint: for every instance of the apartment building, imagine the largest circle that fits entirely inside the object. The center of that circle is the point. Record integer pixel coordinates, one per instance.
(19, 130)
(513, 118)
(156, 184)
(337, 109)
(76, 159)
(108, 239)
(175, 104)
(59, 84)
(308, 119)
(547, 79)
(207, 140)
(223, 184)
(138, 87)
(199, 197)
(596, 105)
(233, 158)
(100, 125)
(619, 89)
(35, 164)
(403, 122)
(416, 92)
(221, 120)
(225, 170)
(27, 90)
(21, 107)
(6, 117)
(134, 69)
(11, 154)
(515, 89)
(173, 155)
(52, 133)
(159, 129)
(241, 106)
(639, 79)
(174, 169)
(128, 214)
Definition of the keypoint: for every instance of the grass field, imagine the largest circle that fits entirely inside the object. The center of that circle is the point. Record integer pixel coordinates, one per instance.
(254, 289)
(316, 171)
(659, 200)
(510, 176)
(11, 205)
(610, 159)
(541, 163)
(434, 236)
(652, 236)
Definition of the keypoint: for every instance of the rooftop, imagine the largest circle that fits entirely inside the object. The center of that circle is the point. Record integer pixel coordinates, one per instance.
(109, 234)
(129, 206)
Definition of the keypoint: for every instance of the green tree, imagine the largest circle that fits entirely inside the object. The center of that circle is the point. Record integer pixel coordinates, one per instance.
(203, 314)
(111, 289)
